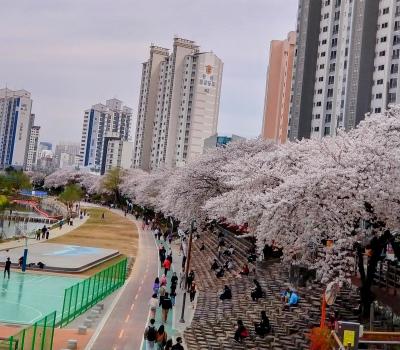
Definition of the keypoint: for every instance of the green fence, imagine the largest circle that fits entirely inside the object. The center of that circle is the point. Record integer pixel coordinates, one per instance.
(83, 295)
(38, 336)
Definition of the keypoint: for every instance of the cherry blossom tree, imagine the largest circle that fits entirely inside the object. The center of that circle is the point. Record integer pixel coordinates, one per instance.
(190, 187)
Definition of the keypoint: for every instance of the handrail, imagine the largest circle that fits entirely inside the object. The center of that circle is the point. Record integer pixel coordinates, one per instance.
(337, 340)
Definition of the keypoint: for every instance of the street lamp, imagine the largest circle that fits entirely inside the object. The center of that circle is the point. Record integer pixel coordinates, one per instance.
(182, 320)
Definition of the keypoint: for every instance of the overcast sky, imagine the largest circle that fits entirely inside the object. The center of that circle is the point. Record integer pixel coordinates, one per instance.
(71, 54)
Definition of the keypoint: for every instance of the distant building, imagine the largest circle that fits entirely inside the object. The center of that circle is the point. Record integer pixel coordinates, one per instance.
(33, 148)
(99, 121)
(277, 94)
(117, 154)
(66, 155)
(45, 161)
(45, 146)
(216, 141)
(178, 105)
(16, 121)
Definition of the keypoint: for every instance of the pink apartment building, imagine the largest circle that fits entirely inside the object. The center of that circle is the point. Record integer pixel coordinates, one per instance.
(277, 94)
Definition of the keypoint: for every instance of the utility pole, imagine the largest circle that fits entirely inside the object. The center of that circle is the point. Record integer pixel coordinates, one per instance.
(182, 320)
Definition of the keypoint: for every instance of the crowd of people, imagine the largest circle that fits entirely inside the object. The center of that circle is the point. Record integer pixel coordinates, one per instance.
(164, 293)
(166, 287)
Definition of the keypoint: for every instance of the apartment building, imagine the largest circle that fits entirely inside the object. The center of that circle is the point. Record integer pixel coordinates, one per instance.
(16, 122)
(98, 121)
(32, 155)
(336, 41)
(278, 89)
(118, 153)
(178, 105)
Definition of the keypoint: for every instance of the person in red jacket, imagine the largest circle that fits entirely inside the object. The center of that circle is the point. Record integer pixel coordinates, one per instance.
(167, 266)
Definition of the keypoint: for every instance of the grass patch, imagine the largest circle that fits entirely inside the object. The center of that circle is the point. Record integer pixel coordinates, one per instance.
(112, 232)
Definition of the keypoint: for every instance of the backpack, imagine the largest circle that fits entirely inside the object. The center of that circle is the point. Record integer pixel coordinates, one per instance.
(151, 334)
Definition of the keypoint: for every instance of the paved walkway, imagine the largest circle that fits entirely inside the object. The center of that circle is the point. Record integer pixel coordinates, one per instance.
(123, 328)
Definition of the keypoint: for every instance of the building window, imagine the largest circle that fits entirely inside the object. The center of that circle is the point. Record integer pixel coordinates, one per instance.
(329, 105)
(316, 128)
(385, 11)
(377, 110)
(328, 118)
(327, 131)
(378, 96)
(382, 53)
(379, 82)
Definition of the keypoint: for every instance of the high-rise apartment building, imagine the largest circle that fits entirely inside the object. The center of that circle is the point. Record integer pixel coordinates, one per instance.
(178, 105)
(15, 127)
(97, 122)
(278, 89)
(386, 84)
(118, 154)
(334, 65)
(32, 155)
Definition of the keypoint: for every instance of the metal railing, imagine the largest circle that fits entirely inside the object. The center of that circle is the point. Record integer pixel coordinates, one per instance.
(85, 294)
(38, 336)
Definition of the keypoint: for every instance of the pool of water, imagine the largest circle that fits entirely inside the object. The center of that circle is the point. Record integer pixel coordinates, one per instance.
(9, 229)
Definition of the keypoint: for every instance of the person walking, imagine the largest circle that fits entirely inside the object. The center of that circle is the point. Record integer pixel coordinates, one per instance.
(161, 338)
(174, 279)
(156, 285)
(153, 303)
(163, 280)
(178, 345)
(168, 345)
(167, 266)
(61, 224)
(38, 235)
(150, 335)
(44, 228)
(190, 280)
(166, 306)
(47, 233)
(7, 268)
(192, 292)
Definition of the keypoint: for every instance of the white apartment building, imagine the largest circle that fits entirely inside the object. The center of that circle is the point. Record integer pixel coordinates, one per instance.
(386, 87)
(97, 122)
(15, 127)
(119, 155)
(178, 105)
(32, 155)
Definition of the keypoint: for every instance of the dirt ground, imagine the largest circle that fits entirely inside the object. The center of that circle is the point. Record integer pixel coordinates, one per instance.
(113, 232)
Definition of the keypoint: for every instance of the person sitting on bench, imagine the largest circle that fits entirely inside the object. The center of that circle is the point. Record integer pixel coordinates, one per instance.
(256, 291)
(263, 327)
(214, 265)
(293, 300)
(226, 294)
(220, 272)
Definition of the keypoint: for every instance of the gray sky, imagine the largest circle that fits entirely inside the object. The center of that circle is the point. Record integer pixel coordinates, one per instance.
(71, 54)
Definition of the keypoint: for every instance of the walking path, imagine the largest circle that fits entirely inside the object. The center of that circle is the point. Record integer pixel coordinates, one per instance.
(123, 327)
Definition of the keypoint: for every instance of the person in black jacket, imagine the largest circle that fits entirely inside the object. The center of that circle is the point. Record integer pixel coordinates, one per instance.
(256, 292)
(226, 294)
(263, 327)
(178, 345)
(166, 305)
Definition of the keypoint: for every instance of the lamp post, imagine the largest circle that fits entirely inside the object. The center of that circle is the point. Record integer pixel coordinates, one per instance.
(182, 320)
